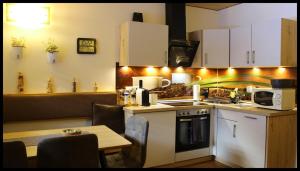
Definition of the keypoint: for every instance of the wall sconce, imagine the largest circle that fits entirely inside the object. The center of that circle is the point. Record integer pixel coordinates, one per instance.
(27, 15)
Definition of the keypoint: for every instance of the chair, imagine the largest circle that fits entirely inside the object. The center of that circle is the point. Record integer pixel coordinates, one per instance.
(79, 151)
(109, 115)
(14, 155)
(136, 131)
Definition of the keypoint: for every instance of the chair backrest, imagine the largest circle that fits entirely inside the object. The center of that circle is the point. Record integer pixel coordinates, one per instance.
(14, 155)
(109, 115)
(136, 131)
(79, 151)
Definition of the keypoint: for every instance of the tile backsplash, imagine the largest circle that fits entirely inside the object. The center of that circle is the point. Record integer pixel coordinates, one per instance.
(208, 78)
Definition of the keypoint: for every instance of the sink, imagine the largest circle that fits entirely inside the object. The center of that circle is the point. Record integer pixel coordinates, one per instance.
(217, 101)
(181, 103)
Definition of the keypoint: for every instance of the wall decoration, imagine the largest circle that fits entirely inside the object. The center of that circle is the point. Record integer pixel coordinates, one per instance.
(18, 44)
(52, 50)
(20, 83)
(86, 46)
(219, 81)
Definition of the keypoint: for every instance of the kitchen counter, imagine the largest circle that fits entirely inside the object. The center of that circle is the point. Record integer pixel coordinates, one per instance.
(161, 108)
(235, 107)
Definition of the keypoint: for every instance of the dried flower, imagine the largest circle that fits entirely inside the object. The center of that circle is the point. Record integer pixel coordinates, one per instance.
(51, 47)
(18, 42)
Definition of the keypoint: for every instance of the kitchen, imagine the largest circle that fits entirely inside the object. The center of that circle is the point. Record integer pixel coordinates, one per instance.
(226, 53)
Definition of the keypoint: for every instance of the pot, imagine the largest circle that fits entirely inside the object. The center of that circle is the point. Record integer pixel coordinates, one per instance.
(283, 83)
(151, 82)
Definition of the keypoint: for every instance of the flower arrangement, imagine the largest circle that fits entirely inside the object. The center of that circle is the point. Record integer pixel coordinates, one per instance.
(18, 42)
(51, 47)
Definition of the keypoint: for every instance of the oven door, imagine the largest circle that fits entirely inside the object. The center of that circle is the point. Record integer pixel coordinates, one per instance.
(192, 132)
(263, 98)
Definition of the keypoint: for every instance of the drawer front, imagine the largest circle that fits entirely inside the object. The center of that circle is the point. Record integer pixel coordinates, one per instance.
(239, 116)
(228, 114)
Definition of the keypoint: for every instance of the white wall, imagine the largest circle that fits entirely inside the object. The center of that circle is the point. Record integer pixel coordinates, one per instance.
(68, 22)
(199, 18)
(247, 13)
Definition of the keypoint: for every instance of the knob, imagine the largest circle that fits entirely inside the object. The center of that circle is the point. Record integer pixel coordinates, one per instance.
(188, 113)
(198, 112)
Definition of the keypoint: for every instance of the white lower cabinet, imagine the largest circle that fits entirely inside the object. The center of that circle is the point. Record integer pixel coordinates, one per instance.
(161, 137)
(241, 139)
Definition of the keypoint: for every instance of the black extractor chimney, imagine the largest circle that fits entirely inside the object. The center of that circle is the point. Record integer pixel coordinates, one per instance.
(181, 51)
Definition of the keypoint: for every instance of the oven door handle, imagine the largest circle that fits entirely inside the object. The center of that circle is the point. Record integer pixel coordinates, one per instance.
(185, 120)
(202, 118)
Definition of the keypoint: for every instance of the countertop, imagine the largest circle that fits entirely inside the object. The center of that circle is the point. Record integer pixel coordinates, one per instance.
(234, 107)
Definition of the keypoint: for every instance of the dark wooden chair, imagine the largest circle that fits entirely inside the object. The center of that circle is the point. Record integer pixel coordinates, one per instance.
(14, 155)
(109, 115)
(136, 131)
(79, 151)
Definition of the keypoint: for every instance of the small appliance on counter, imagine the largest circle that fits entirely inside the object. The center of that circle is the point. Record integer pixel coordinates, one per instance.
(281, 96)
(142, 95)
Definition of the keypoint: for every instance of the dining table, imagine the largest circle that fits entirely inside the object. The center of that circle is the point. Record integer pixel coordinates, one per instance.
(107, 138)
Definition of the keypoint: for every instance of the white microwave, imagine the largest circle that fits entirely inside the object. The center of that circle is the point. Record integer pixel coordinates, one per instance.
(274, 98)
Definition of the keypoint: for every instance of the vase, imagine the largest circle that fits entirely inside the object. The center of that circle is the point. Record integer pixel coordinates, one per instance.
(52, 57)
(18, 51)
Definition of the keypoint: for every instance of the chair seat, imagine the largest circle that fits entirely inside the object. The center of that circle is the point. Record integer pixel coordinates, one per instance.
(117, 160)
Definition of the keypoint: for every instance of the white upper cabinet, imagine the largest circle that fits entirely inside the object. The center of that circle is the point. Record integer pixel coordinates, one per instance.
(213, 50)
(240, 46)
(143, 44)
(272, 44)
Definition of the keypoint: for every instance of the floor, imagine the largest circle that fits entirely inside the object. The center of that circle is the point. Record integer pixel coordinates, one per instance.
(207, 164)
(203, 162)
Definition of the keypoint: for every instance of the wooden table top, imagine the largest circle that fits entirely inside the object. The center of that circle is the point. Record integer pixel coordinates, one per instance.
(107, 138)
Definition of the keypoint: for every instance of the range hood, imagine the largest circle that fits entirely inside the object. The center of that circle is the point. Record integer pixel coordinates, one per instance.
(181, 51)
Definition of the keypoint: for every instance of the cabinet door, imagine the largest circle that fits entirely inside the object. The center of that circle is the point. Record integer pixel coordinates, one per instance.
(240, 46)
(161, 138)
(227, 145)
(148, 44)
(215, 45)
(252, 138)
(266, 44)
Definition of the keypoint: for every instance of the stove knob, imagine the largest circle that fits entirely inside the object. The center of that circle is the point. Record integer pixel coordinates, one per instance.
(188, 113)
(198, 112)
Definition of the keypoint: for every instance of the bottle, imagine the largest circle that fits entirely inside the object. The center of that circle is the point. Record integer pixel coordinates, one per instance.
(126, 98)
(95, 87)
(49, 86)
(20, 83)
(74, 85)
(139, 92)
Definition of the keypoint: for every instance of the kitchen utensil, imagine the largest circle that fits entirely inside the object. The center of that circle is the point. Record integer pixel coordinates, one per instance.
(150, 82)
(283, 83)
(153, 98)
(181, 78)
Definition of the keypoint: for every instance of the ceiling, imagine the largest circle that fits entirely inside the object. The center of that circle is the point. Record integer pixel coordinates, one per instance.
(212, 6)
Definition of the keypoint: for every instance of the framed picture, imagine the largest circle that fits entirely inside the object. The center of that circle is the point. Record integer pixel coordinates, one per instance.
(86, 46)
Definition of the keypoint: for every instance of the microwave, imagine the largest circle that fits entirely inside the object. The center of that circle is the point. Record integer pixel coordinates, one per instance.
(274, 98)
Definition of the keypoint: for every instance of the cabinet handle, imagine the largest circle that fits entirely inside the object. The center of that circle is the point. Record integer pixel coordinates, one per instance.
(234, 129)
(248, 56)
(249, 117)
(205, 58)
(253, 56)
(166, 57)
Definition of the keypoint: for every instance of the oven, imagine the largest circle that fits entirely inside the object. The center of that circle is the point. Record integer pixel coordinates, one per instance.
(192, 129)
